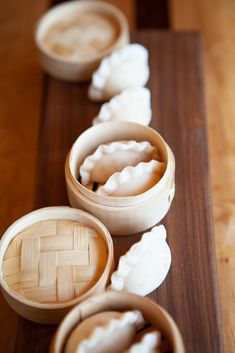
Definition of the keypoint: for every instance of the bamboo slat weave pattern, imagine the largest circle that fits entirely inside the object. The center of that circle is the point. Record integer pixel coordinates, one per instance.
(54, 261)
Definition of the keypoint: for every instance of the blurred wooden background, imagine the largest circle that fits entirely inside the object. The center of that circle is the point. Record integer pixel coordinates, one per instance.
(20, 102)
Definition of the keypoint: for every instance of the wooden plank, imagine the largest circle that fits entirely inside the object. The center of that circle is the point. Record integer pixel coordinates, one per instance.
(20, 102)
(216, 22)
(190, 291)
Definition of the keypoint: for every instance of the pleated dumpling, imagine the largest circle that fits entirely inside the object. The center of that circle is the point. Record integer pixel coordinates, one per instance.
(149, 344)
(124, 68)
(105, 332)
(113, 157)
(130, 105)
(133, 181)
(144, 267)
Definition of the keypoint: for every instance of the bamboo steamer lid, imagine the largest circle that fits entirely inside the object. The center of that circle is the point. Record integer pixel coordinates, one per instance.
(153, 314)
(121, 215)
(51, 259)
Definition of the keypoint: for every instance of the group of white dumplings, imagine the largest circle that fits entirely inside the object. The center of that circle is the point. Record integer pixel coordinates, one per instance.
(122, 168)
(128, 168)
(115, 332)
(121, 77)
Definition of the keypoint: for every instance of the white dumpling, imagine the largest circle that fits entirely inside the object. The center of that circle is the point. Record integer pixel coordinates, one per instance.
(131, 105)
(113, 157)
(105, 332)
(148, 344)
(133, 181)
(144, 267)
(124, 68)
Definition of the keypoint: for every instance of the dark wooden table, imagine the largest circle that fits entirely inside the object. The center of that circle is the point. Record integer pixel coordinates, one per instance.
(190, 290)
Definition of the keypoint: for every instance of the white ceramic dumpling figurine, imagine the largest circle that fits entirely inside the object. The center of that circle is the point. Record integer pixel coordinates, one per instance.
(132, 181)
(113, 157)
(130, 105)
(124, 68)
(105, 332)
(148, 344)
(144, 267)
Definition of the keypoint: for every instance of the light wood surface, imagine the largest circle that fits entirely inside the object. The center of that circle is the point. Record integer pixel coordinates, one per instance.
(20, 99)
(216, 20)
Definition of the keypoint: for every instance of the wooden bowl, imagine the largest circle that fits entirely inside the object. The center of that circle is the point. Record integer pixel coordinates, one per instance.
(52, 259)
(121, 215)
(59, 60)
(115, 301)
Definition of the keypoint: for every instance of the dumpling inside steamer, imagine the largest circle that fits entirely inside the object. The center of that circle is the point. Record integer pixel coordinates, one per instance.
(124, 68)
(116, 332)
(122, 168)
(132, 181)
(148, 344)
(105, 332)
(114, 157)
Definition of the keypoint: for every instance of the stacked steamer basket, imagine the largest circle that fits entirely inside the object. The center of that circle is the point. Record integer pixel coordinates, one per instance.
(155, 317)
(52, 259)
(57, 61)
(121, 215)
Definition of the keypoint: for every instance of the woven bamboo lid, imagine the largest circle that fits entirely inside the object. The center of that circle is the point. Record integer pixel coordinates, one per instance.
(53, 258)
(54, 261)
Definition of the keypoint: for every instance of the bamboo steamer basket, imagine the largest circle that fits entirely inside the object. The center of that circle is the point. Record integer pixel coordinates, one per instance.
(121, 215)
(52, 259)
(75, 69)
(115, 301)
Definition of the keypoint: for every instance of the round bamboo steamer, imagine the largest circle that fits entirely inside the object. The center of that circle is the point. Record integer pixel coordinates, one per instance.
(52, 259)
(121, 215)
(69, 69)
(115, 301)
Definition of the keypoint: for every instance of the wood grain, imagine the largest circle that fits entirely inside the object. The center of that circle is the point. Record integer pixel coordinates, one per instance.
(20, 102)
(128, 7)
(20, 107)
(190, 291)
(216, 22)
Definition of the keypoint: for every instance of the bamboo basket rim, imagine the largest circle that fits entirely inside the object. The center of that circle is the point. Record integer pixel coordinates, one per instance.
(94, 5)
(4, 242)
(77, 312)
(107, 207)
(124, 201)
